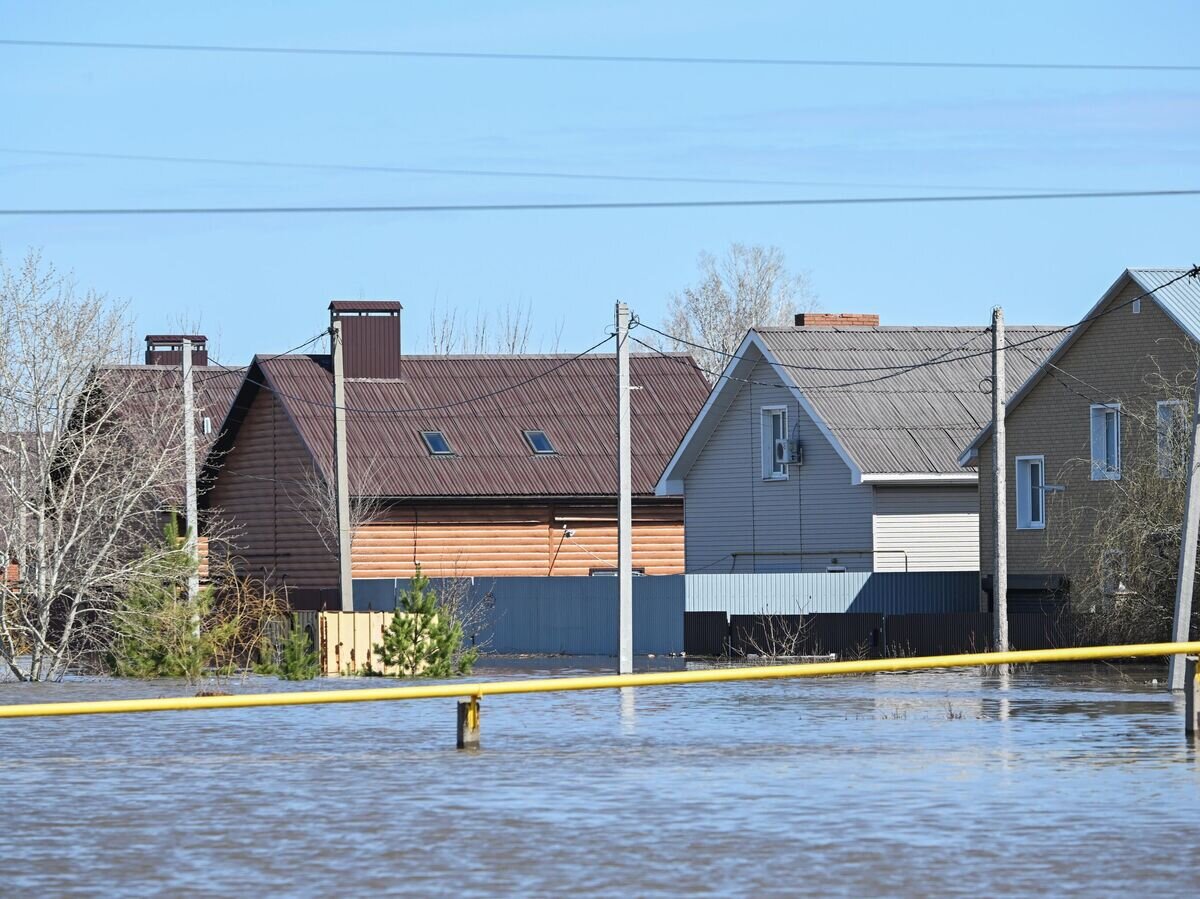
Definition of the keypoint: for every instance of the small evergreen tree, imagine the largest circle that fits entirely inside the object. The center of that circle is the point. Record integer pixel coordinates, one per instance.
(297, 657)
(423, 638)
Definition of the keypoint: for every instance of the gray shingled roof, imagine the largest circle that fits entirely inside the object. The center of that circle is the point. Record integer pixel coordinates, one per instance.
(915, 422)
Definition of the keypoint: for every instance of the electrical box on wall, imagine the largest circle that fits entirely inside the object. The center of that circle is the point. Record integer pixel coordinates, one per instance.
(795, 452)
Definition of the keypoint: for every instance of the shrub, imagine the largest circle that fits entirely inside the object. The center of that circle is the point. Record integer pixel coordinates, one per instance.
(297, 657)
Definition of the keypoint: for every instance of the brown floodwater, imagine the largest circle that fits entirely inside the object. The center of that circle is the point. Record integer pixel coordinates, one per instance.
(1071, 780)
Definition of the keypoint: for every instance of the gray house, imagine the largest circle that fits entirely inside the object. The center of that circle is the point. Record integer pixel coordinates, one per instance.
(834, 445)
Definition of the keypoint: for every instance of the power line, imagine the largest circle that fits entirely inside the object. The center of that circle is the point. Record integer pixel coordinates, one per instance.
(794, 62)
(630, 204)
(496, 173)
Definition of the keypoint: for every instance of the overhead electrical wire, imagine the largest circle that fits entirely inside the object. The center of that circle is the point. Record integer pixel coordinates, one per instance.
(499, 173)
(599, 205)
(608, 58)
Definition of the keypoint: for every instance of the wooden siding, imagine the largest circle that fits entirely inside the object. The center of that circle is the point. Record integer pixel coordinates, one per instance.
(738, 522)
(518, 539)
(926, 529)
(257, 491)
(1114, 360)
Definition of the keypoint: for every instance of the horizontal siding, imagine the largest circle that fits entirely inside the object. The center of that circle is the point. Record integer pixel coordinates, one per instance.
(926, 529)
(737, 522)
(805, 593)
(536, 539)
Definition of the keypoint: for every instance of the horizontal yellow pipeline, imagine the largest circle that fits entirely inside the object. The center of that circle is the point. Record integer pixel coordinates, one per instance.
(601, 682)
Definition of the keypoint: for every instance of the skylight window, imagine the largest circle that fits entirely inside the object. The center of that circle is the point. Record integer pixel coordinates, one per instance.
(540, 443)
(436, 443)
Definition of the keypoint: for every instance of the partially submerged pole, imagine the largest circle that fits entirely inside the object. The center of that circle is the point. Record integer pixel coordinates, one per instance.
(999, 486)
(192, 540)
(624, 497)
(1191, 696)
(1189, 533)
(341, 469)
(468, 723)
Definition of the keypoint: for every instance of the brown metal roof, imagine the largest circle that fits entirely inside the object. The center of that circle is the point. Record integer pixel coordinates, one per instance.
(576, 406)
(365, 306)
(915, 421)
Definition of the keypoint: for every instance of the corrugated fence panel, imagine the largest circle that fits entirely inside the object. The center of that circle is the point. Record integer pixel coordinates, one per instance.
(807, 593)
(555, 615)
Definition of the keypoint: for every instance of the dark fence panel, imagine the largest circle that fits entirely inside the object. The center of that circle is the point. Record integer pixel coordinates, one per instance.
(848, 635)
(705, 633)
(1059, 630)
(934, 634)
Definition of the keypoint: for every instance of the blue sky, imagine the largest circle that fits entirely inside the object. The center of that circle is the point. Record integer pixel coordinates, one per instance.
(262, 283)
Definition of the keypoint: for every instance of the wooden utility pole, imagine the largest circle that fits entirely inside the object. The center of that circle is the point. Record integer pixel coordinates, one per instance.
(624, 496)
(999, 486)
(192, 544)
(341, 471)
(1187, 551)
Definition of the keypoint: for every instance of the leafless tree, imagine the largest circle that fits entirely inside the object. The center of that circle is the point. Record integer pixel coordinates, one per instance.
(747, 287)
(509, 330)
(774, 636)
(1120, 545)
(315, 498)
(88, 462)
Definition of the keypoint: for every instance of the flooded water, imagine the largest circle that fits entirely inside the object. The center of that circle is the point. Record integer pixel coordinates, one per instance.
(1072, 780)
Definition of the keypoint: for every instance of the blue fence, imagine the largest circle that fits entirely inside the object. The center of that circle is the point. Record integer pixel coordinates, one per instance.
(553, 615)
(808, 593)
(578, 615)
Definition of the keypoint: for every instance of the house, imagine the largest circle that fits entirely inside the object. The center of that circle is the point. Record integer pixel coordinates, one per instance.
(466, 465)
(833, 446)
(1110, 398)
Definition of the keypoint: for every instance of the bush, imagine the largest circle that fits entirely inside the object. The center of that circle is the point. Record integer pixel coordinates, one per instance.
(424, 638)
(297, 657)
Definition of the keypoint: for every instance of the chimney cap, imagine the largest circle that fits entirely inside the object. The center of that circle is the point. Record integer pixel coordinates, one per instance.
(365, 306)
(837, 320)
(175, 338)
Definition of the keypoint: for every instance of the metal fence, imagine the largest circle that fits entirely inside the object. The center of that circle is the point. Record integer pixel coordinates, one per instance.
(807, 593)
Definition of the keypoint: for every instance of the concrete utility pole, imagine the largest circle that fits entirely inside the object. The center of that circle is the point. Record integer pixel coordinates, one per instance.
(999, 485)
(192, 544)
(341, 471)
(624, 496)
(1187, 551)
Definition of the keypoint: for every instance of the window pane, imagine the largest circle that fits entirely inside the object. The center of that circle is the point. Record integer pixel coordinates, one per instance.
(1035, 492)
(1110, 440)
(436, 442)
(539, 442)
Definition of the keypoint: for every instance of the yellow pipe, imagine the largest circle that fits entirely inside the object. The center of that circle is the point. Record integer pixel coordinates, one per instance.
(601, 682)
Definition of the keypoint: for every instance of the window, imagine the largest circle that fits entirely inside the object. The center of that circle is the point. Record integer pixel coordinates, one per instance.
(1137, 306)
(612, 572)
(436, 443)
(1114, 565)
(774, 443)
(540, 443)
(1173, 437)
(1106, 442)
(1031, 492)
(206, 425)
(835, 569)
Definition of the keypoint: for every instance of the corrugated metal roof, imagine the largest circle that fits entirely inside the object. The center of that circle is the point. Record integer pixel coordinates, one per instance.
(916, 421)
(1180, 300)
(576, 406)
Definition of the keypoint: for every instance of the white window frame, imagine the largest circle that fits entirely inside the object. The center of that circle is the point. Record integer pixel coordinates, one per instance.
(766, 433)
(1167, 467)
(1025, 519)
(1101, 471)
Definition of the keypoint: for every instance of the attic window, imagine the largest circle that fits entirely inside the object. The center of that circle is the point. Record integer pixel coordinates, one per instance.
(436, 443)
(1137, 305)
(540, 443)
(206, 425)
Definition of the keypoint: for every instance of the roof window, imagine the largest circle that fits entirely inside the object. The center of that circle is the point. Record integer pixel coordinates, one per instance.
(436, 443)
(540, 443)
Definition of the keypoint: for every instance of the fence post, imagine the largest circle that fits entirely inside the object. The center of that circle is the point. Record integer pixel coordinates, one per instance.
(1191, 698)
(468, 723)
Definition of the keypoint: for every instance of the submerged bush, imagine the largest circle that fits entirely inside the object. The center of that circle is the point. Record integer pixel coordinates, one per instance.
(298, 658)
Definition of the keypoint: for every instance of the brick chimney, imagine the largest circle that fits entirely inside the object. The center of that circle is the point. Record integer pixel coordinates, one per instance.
(371, 335)
(836, 320)
(167, 349)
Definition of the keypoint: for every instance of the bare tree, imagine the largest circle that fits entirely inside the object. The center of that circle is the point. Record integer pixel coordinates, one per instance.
(507, 330)
(315, 498)
(747, 287)
(87, 457)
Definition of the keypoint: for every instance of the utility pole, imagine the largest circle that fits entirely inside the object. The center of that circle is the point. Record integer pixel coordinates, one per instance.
(999, 486)
(192, 544)
(624, 496)
(1187, 551)
(341, 471)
